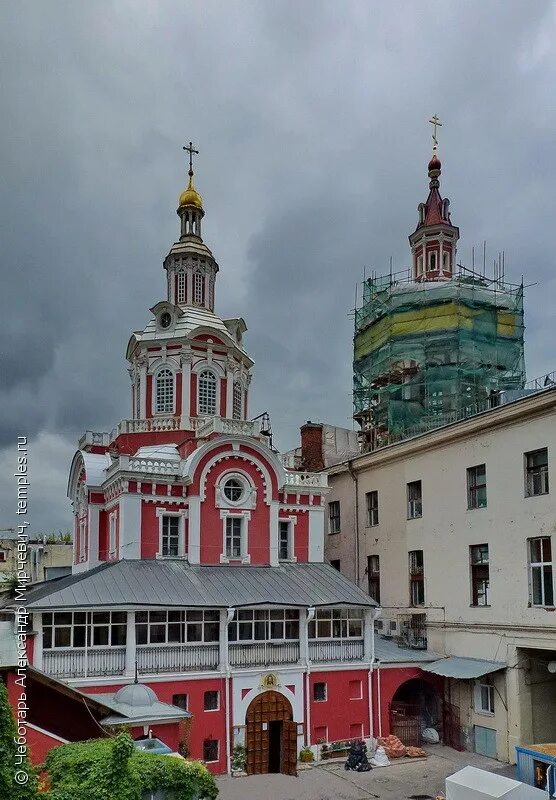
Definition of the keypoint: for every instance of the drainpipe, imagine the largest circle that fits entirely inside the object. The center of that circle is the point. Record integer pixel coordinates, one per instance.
(229, 617)
(356, 504)
(375, 614)
(310, 618)
(379, 703)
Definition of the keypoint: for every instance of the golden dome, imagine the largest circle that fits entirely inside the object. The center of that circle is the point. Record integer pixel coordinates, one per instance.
(190, 196)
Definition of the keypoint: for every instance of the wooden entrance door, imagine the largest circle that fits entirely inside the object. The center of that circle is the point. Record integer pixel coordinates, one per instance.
(266, 708)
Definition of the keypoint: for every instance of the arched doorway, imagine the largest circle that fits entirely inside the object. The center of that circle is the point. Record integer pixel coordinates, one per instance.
(415, 705)
(271, 735)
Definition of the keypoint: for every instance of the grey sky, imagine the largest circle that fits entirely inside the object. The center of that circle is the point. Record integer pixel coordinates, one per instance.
(311, 119)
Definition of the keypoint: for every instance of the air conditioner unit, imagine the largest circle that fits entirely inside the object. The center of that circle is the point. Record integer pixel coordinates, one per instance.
(389, 628)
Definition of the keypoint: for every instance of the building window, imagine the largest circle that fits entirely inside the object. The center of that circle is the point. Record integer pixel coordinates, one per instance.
(319, 692)
(416, 578)
(198, 287)
(336, 563)
(484, 698)
(373, 577)
(372, 508)
(212, 701)
(170, 535)
(3, 555)
(210, 750)
(436, 402)
(164, 392)
(180, 700)
(432, 261)
(207, 392)
(112, 535)
(480, 583)
(84, 629)
(334, 517)
(237, 401)
(284, 540)
(541, 589)
(233, 490)
(414, 500)
(355, 690)
(181, 283)
(446, 261)
(536, 472)
(177, 626)
(476, 487)
(336, 623)
(250, 625)
(234, 537)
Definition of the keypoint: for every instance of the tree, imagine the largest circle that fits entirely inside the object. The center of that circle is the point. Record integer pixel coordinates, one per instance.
(18, 779)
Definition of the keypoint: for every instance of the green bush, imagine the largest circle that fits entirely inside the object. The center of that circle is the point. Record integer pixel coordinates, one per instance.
(113, 769)
(9, 787)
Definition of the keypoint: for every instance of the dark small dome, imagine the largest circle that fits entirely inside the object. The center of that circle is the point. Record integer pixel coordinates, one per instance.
(434, 163)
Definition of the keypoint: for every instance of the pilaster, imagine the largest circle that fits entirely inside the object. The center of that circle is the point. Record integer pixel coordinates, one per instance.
(131, 645)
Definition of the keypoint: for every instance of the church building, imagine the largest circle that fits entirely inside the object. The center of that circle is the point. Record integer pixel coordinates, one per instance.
(199, 565)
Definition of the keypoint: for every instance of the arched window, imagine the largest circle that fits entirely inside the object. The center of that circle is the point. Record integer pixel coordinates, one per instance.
(446, 260)
(198, 288)
(164, 392)
(237, 405)
(181, 286)
(207, 393)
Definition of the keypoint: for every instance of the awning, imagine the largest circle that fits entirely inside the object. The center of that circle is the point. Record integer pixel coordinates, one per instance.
(458, 667)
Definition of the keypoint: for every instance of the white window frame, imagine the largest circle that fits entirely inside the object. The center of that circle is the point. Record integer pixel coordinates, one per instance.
(181, 286)
(112, 535)
(217, 759)
(216, 384)
(182, 515)
(540, 565)
(237, 400)
(169, 408)
(415, 506)
(290, 522)
(372, 511)
(337, 525)
(248, 498)
(198, 288)
(530, 476)
(210, 710)
(488, 711)
(244, 516)
(446, 261)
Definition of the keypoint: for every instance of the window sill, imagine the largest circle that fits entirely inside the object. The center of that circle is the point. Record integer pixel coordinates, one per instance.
(485, 713)
(210, 710)
(162, 557)
(291, 560)
(411, 518)
(333, 533)
(539, 494)
(545, 608)
(235, 559)
(476, 605)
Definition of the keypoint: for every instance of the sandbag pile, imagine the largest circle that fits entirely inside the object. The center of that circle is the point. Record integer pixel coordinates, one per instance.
(415, 752)
(394, 748)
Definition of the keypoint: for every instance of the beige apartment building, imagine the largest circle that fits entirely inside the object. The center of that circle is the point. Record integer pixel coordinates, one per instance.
(46, 557)
(453, 531)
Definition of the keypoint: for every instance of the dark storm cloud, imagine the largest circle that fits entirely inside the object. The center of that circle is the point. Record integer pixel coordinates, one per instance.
(311, 120)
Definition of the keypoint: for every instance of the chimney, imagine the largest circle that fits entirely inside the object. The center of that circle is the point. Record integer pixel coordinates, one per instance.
(312, 456)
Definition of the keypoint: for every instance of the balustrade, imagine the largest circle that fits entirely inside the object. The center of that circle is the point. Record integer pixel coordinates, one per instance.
(346, 650)
(79, 662)
(263, 654)
(177, 657)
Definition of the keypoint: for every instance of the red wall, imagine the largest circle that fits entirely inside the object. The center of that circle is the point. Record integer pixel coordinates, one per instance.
(338, 711)
(390, 680)
(150, 538)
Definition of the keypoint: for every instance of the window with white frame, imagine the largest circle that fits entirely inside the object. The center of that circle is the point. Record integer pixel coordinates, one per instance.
(211, 749)
(372, 508)
(181, 286)
(476, 487)
(212, 701)
(416, 578)
(164, 392)
(237, 401)
(284, 539)
(112, 534)
(541, 584)
(171, 535)
(536, 472)
(334, 516)
(198, 286)
(484, 697)
(207, 392)
(234, 537)
(414, 500)
(480, 574)
(259, 625)
(179, 626)
(319, 692)
(234, 490)
(84, 629)
(336, 623)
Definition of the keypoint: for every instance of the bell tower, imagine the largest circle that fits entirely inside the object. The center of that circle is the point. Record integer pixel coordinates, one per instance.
(433, 243)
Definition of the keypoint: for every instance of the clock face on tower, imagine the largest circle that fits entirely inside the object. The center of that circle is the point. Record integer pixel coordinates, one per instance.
(165, 320)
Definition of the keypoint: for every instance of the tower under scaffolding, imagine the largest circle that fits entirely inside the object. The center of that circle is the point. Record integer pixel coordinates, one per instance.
(431, 352)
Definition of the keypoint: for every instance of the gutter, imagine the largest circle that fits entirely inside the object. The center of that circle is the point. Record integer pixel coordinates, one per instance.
(356, 491)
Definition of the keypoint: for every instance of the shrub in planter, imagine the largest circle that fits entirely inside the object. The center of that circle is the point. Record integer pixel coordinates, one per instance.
(239, 758)
(306, 755)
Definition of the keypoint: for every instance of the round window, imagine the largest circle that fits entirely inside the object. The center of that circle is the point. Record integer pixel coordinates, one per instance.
(233, 490)
(165, 320)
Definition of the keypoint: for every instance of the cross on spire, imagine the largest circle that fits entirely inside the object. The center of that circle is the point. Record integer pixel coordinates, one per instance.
(435, 122)
(191, 150)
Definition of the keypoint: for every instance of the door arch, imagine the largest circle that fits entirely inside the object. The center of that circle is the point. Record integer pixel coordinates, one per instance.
(271, 735)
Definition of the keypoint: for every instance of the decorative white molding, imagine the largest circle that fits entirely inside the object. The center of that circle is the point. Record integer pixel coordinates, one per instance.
(245, 516)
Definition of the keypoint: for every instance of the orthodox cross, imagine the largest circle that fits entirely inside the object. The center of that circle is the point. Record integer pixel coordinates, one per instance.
(435, 122)
(191, 150)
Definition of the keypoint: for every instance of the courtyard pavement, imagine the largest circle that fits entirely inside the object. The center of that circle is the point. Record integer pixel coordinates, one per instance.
(332, 782)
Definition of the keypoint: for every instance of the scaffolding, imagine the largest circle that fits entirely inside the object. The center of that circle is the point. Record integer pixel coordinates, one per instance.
(430, 353)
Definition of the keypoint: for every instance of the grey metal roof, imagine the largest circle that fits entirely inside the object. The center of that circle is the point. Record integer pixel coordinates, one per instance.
(166, 583)
(145, 713)
(459, 667)
(387, 651)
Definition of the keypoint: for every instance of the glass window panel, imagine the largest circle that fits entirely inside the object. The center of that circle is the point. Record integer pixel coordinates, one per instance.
(175, 632)
(292, 614)
(536, 580)
(157, 633)
(232, 632)
(245, 631)
(141, 634)
(212, 632)
(292, 630)
(79, 636)
(260, 630)
(194, 616)
(546, 549)
(118, 635)
(100, 636)
(276, 630)
(212, 616)
(62, 618)
(47, 637)
(324, 630)
(195, 632)
(157, 616)
(47, 619)
(244, 615)
(276, 614)
(141, 616)
(119, 617)
(312, 630)
(548, 591)
(101, 617)
(62, 637)
(175, 616)
(261, 614)
(79, 618)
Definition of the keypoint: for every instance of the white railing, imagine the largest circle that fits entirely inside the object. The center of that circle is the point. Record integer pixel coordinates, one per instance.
(263, 654)
(231, 427)
(166, 423)
(325, 651)
(80, 663)
(157, 466)
(309, 480)
(94, 437)
(176, 657)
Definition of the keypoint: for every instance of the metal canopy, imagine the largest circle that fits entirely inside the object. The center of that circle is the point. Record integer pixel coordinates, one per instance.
(167, 583)
(459, 667)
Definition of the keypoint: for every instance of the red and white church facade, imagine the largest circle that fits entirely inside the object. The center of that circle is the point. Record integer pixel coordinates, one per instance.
(199, 562)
